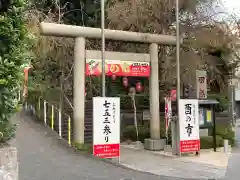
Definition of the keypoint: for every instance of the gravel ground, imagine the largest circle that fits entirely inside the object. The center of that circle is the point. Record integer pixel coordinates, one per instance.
(43, 157)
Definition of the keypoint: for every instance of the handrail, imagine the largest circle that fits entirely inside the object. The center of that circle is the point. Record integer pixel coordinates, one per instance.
(54, 121)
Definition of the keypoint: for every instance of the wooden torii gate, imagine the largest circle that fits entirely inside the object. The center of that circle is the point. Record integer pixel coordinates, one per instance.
(80, 33)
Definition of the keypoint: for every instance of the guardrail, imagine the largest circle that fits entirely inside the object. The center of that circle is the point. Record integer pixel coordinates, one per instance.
(52, 118)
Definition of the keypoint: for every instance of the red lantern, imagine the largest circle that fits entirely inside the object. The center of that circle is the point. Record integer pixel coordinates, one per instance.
(125, 82)
(139, 87)
(114, 77)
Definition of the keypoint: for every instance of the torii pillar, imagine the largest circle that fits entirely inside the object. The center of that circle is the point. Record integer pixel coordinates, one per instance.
(80, 33)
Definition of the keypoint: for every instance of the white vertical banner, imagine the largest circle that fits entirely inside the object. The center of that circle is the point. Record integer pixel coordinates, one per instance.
(19, 95)
(26, 105)
(60, 123)
(106, 127)
(201, 82)
(168, 113)
(45, 112)
(189, 125)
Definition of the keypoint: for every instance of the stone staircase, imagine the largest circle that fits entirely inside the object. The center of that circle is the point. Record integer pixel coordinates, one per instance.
(88, 122)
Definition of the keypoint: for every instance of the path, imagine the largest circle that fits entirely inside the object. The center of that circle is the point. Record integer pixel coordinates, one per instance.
(176, 167)
(234, 161)
(43, 157)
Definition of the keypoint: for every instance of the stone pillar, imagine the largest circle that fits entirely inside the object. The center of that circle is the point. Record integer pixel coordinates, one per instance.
(154, 93)
(154, 143)
(231, 99)
(78, 90)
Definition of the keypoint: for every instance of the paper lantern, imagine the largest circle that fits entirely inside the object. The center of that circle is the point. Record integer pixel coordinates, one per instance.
(139, 87)
(125, 82)
(114, 77)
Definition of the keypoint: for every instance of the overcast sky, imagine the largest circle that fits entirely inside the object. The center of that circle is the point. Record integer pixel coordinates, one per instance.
(232, 6)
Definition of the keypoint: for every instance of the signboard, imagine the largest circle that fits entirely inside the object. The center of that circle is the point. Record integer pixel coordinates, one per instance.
(189, 125)
(146, 115)
(209, 116)
(201, 77)
(106, 127)
(118, 68)
(201, 117)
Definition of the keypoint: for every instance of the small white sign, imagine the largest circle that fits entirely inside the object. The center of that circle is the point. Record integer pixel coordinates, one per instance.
(106, 127)
(201, 84)
(189, 125)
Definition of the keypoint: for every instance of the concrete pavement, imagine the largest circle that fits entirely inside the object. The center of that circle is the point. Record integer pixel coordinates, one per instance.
(233, 172)
(178, 167)
(43, 157)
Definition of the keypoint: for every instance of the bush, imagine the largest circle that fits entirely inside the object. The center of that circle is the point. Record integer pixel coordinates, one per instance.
(222, 132)
(129, 133)
(207, 142)
(83, 147)
(226, 132)
(14, 51)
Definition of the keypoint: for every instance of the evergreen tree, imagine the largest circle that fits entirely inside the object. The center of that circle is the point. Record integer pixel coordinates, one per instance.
(14, 51)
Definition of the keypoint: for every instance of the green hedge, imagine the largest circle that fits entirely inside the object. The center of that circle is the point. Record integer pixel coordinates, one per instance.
(226, 132)
(129, 133)
(207, 142)
(222, 132)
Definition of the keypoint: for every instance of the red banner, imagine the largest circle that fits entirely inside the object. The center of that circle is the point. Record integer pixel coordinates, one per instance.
(106, 150)
(190, 146)
(118, 68)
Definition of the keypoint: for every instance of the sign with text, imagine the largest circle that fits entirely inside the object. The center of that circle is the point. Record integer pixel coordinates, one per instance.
(189, 125)
(118, 68)
(201, 77)
(106, 127)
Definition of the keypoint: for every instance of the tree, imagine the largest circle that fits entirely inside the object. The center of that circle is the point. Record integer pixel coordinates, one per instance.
(14, 51)
(197, 25)
(151, 16)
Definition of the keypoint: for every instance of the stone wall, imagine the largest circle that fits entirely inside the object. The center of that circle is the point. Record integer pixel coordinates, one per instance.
(8, 163)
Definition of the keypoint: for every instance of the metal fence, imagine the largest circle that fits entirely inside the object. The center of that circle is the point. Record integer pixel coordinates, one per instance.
(52, 118)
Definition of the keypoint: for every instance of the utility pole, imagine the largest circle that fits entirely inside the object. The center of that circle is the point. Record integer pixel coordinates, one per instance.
(103, 46)
(175, 122)
(61, 88)
(178, 53)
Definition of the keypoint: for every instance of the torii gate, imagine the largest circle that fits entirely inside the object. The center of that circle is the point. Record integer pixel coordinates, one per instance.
(80, 33)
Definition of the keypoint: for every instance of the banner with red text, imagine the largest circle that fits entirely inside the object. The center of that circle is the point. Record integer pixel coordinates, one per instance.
(118, 68)
(106, 127)
(189, 125)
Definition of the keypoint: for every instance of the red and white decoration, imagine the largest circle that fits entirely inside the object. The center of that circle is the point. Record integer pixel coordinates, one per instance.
(189, 125)
(168, 113)
(139, 87)
(173, 95)
(125, 82)
(106, 127)
(114, 77)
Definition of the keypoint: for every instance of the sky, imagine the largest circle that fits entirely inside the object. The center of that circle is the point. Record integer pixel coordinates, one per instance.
(232, 6)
